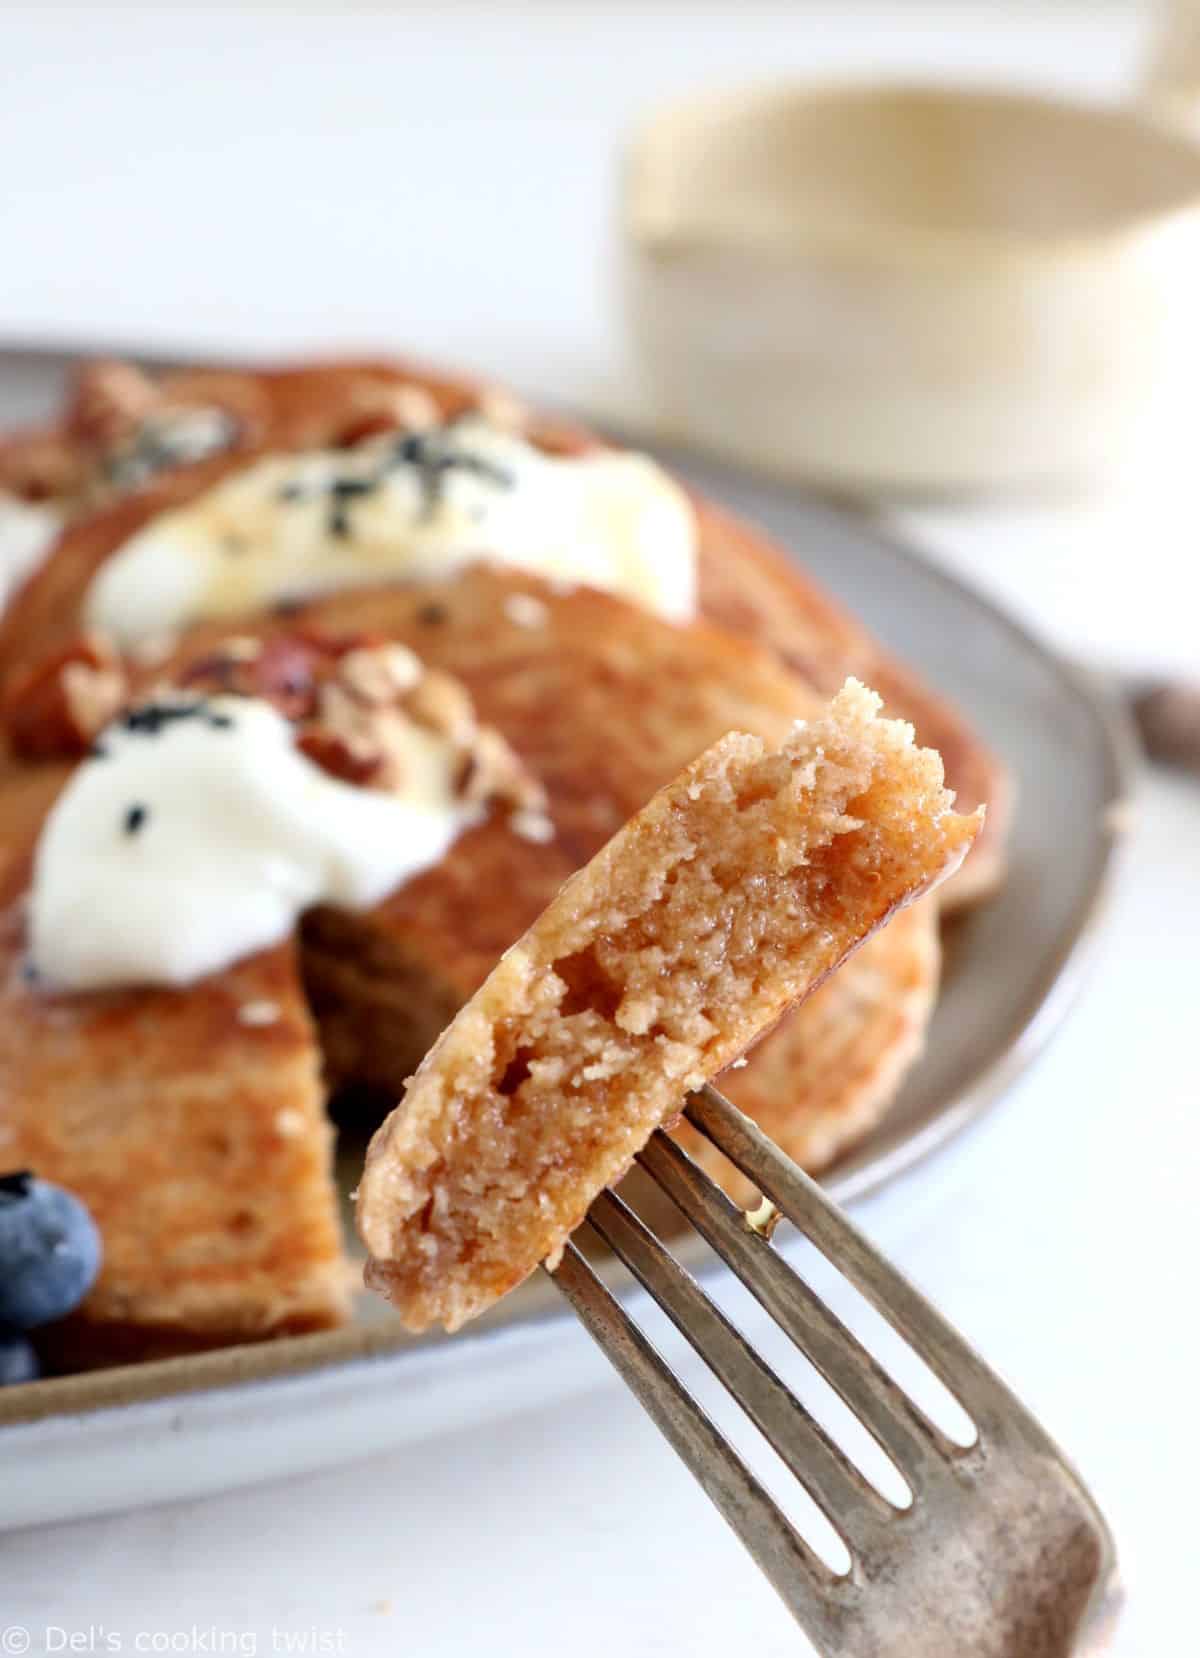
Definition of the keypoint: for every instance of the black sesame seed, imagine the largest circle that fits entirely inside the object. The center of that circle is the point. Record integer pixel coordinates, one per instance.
(339, 523)
(135, 819)
(16, 1184)
(433, 454)
(221, 722)
(153, 717)
(292, 492)
(432, 614)
(346, 489)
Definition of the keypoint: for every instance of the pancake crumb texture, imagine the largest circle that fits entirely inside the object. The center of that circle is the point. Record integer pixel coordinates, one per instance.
(732, 894)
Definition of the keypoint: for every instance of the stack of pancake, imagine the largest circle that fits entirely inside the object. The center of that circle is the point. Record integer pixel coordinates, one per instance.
(193, 1122)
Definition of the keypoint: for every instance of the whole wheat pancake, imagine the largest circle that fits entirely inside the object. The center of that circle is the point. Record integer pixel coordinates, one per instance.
(733, 893)
(746, 584)
(192, 1124)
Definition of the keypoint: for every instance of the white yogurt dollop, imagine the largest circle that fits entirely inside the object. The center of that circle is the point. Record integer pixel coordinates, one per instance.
(199, 832)
(416, 508)
(28, 529)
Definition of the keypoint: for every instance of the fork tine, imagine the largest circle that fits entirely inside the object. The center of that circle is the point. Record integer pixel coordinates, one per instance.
(795, 1572)
(914, 1444)
(977, 1388)
(850, 1502)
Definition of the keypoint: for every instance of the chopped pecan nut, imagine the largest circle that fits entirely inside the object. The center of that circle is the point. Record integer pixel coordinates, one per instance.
(377, 409)
(443, 706)
(109, 400)
(41, 466)
(54, 710)
(375, 725)
(285, 671)
(380, 674)
(344, 718)
(93, 695)
(489, 770)
(337, 757)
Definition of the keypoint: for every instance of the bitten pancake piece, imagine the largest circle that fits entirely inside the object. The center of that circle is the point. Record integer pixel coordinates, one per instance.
(733, 893)
(191, 1123)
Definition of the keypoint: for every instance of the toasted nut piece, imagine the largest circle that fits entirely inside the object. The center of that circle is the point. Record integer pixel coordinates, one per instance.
(380, 674)
(442, 705)
(336, 757)
(532, 825)
(343, 717)
(109, 399)
(93, 695)
(41, 466)
(55, 710)
(285, 671)
(491, 771)
(377, 409)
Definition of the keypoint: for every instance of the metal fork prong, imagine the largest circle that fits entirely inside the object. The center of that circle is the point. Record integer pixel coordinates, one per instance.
(851, 1504)
(797, 1574)
(913, 1443)
(977, 1388)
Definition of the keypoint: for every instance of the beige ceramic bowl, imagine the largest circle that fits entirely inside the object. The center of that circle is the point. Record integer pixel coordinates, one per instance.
(910, 287)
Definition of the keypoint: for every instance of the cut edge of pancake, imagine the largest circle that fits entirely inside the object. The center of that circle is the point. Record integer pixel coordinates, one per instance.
(733, 893)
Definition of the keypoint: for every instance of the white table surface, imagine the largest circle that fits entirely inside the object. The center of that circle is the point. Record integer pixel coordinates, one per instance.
(392, 176)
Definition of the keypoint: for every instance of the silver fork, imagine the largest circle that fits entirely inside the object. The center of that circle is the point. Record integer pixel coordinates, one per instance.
(1002, 1553)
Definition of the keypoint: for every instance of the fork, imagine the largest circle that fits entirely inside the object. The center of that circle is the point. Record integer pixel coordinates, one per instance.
(1002, 1552)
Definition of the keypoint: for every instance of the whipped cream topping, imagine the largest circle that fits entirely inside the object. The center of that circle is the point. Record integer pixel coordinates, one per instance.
(28, 529)
(198, 832)
(413, 507)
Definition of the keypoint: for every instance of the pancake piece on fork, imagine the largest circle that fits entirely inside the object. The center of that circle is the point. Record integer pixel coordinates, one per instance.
(732, 894)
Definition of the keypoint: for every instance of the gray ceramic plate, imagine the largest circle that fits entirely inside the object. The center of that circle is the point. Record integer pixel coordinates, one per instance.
(1010, 969)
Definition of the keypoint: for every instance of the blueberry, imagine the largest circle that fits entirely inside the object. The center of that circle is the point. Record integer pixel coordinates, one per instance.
(18, 1361)
(49, 1251)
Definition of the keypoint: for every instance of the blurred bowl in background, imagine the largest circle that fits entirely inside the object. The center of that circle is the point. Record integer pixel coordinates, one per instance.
(893, 287)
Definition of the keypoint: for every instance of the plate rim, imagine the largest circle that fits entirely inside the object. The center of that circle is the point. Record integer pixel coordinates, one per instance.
(229, 1370)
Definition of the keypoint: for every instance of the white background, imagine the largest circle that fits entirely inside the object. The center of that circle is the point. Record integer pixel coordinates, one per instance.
(443, 179)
